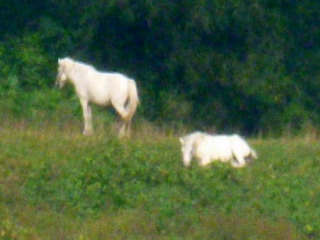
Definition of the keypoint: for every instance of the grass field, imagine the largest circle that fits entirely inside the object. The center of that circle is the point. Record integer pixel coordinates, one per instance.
(57, 184)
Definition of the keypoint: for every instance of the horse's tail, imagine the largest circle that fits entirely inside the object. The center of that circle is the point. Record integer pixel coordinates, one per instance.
(133, 100)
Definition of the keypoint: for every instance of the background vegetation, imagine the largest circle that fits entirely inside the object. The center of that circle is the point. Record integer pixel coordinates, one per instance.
(251, 65)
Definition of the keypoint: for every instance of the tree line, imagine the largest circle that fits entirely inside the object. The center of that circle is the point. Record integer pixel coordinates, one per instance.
(247, 65)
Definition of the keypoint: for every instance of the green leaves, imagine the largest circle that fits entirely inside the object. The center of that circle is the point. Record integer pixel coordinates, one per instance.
(233, 65)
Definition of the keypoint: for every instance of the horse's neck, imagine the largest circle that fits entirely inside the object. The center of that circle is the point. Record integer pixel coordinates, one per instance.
(78, 72)
(82, 67)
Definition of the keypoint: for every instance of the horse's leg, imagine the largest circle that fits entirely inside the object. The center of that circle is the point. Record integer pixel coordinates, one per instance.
(122, 129)
(241, 161)
(128, 128)
(86, 109)
(204, 161)
(119, 107)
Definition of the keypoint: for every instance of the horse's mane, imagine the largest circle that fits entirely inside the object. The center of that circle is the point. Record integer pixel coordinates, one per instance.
(82, 64)
(88, 66)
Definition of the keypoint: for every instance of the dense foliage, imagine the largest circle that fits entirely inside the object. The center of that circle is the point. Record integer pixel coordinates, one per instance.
(232, 65)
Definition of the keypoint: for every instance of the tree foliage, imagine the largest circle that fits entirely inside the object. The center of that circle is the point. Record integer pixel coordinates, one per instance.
(234, 65)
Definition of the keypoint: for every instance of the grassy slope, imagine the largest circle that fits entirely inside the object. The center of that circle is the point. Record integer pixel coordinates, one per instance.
(57, 184)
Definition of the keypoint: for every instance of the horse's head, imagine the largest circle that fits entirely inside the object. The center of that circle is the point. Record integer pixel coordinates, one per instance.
(64, 66)
(186, 148)
(61, 79)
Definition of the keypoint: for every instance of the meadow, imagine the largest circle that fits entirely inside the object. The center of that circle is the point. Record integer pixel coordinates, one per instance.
(250, 67)
(57, 184)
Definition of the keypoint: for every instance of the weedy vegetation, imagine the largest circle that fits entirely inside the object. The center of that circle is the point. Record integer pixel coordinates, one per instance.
(57, 184)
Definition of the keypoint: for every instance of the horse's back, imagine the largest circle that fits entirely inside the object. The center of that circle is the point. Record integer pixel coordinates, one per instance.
(103, 87)
(240, 145)
(216, 147)
(105, 83)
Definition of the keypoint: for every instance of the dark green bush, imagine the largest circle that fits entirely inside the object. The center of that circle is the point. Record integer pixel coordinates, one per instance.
(227, 65)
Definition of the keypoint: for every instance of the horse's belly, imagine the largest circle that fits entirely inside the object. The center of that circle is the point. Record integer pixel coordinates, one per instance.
(223, 156)
(100, 97)
(101, 101)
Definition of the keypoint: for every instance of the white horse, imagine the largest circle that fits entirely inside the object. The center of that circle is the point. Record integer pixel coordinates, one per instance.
(209, 148)
(100, 88)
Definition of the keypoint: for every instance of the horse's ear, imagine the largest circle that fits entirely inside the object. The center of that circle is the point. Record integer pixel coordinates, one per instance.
(181, 140)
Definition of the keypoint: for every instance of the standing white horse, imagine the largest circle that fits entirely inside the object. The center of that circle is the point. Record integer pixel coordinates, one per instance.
(100, 88)
(209, 148)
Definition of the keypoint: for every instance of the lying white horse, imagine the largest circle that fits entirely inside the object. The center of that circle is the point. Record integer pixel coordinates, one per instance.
(209, 148)
(100, 88)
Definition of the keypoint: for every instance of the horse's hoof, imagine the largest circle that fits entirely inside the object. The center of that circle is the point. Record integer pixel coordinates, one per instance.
(87, 133)
(123, 136)
(238, 165)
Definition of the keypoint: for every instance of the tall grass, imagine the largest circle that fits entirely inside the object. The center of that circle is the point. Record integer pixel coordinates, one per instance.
(57, 184)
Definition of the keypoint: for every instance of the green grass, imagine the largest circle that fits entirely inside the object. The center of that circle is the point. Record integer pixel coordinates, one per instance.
(57, 184)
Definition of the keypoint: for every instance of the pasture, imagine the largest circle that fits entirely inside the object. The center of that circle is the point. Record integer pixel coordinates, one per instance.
(57, 184)
(251, 66)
